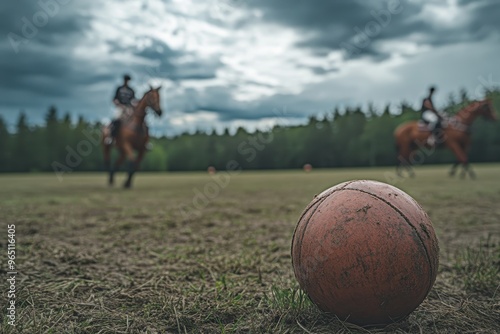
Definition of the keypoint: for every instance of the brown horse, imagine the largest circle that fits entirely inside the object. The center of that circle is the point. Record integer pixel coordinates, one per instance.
(411, 138)
(133, 136)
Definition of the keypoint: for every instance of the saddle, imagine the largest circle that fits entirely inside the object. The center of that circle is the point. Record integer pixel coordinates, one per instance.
(126, 113)
(451, 122)
(424, 126)
(126, 118)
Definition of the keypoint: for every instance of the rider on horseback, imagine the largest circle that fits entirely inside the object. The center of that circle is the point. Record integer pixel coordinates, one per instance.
(431, 117)
(124, 100)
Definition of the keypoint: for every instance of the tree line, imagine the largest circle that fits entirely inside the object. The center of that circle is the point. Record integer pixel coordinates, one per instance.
(352, 137)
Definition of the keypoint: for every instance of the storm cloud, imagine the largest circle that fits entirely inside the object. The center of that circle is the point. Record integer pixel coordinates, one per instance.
(227, 63)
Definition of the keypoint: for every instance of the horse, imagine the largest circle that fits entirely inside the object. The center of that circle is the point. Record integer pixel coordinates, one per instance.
(133, 136)
(455, 135)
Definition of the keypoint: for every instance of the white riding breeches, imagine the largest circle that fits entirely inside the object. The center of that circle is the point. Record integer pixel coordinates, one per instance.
(118, 112)
(430, 117)
(122, 111)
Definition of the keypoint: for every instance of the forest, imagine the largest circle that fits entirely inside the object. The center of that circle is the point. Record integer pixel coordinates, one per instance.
(352, 137)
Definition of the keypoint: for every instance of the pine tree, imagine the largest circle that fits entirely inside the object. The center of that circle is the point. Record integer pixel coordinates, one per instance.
(22, 157)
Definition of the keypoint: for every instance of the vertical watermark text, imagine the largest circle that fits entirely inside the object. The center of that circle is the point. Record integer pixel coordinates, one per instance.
(11, 274)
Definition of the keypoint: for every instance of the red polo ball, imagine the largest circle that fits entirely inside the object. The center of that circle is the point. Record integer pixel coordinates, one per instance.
(211, 170)
(308, 168)
(366, 252)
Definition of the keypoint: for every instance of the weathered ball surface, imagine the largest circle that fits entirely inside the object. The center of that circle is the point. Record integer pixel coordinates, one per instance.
(366, 252)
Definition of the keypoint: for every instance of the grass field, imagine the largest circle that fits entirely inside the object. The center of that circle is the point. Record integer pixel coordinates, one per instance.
(98, 260)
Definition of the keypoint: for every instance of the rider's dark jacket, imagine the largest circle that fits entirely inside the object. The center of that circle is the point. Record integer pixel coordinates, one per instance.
(124, 95)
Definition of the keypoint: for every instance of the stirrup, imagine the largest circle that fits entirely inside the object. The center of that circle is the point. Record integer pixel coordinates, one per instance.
(431, 140)
(108, 141)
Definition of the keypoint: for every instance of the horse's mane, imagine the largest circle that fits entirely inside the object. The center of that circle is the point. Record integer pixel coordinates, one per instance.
(472, 106)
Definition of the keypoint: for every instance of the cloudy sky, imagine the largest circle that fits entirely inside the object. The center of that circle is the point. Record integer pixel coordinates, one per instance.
(252, 63)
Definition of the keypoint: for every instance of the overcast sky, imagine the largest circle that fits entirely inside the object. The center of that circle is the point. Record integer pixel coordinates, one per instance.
(252, 63)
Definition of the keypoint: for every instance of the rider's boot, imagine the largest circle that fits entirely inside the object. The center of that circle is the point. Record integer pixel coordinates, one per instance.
(109, 138)
(114, 128)
(431, 141)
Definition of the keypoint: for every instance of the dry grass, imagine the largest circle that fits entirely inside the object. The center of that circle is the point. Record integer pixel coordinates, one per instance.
(98, 260)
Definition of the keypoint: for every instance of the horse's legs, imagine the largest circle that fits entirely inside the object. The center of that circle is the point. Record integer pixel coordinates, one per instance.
(106, 149)
(107, 160)
(411, 171)
(453, 169)
(403, 160)
(466, 148)
(463, 173)
(133, 164)
(399, 173)
(116, 167)
(472, 174)
(461, 157)
(466, 168)
(404, 166)
(107, 157)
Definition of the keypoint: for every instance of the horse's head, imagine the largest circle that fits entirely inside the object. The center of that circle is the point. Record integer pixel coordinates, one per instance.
(487, 111)
(478, 108)
(153, 99)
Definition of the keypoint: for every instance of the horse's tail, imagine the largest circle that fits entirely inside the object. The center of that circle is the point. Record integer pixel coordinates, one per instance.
(397, 135)
(403, 140)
